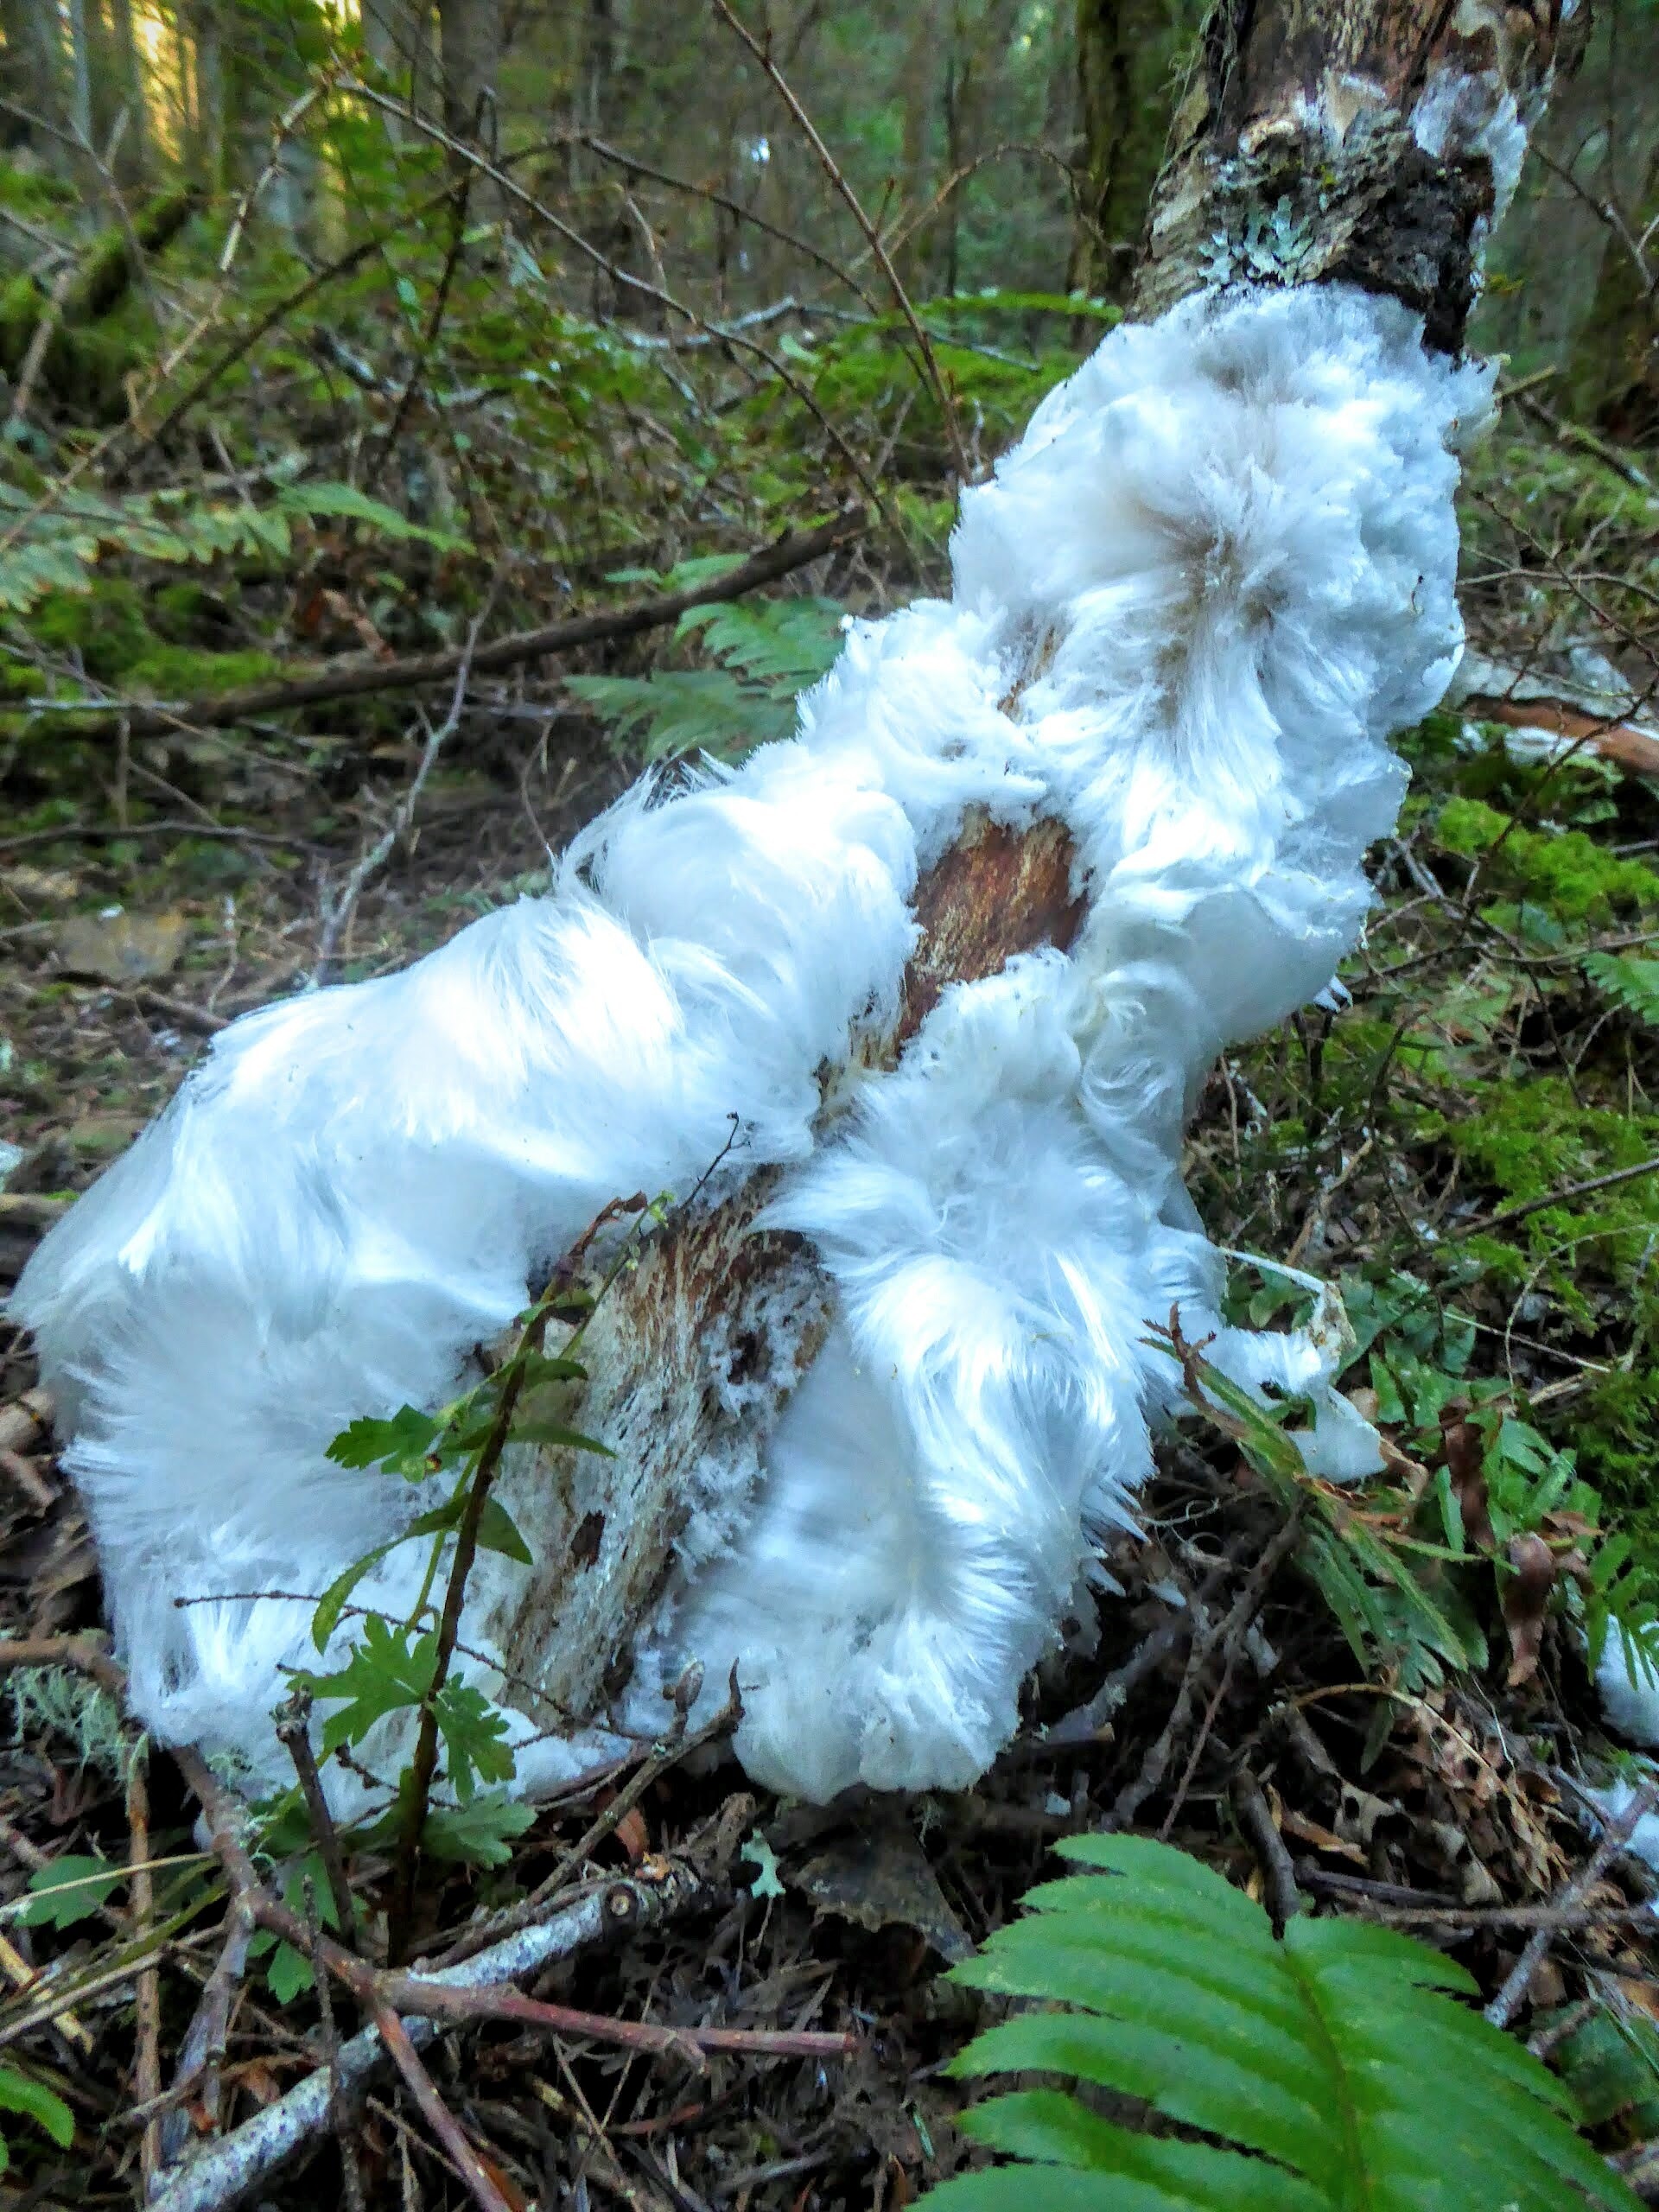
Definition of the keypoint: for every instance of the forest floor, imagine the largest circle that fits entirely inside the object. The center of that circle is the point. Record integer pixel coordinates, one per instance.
(1461, 1151)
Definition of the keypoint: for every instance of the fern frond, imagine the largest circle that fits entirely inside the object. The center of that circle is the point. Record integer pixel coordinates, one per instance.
(1332, 2069)
(768, 652)
(1631, 981)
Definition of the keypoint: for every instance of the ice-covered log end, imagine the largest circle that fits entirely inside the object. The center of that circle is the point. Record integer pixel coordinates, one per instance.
(869, 1436)
(889, 1416)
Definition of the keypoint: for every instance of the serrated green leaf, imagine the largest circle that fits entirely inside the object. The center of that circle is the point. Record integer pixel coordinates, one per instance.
(400, 1444)
(289, 1974)
(474, 1738)
(69, 1891)
(390, 1669)
(481, 1832)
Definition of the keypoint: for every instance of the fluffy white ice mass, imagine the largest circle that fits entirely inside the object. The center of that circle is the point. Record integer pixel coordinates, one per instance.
(1188, 613)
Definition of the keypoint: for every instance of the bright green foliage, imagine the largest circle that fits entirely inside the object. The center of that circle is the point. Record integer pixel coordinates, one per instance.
(1380, 1577)
(1332, 2069)
(1567, 874)
(1629, 981)
(48, 547)
(22, 2092)
(481, 1832)
(768, 651)
(391, 1670)
(69, 1890)
(394, 1667)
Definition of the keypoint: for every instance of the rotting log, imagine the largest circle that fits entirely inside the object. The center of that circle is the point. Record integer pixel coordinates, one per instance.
(694, 1352)
(1372, 143)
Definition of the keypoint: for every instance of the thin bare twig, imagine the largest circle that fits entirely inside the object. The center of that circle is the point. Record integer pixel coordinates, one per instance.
(147, 1990)
(294, 1733)
(761, 50)
(339, 2119)
(436, 2114)
(1615, 1836)
(337, 919)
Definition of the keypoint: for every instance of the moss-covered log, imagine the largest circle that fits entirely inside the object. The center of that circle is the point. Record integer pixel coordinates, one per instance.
(86, 362)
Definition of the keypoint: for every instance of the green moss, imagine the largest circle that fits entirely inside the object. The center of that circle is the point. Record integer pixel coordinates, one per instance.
(1568, 873)
(104, 625)
(177, 610)
(184, 672)
(1528, 1140)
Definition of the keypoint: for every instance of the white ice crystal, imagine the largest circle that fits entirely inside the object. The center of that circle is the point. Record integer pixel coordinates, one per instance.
(1189, 611)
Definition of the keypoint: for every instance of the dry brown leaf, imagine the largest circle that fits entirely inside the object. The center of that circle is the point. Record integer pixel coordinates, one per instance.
(1526, 1604)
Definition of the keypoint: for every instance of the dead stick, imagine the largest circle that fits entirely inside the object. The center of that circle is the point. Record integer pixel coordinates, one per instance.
(1616, 1833)
(360, 679)
(239, 2168)
(1255, 1818)
(147, 1992)
(293, 1733)
(437, 2114)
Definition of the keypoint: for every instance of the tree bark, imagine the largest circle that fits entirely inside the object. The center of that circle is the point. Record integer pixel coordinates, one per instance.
(1300, 155)
(1374, 142)
(1124, 51)
(469, 34)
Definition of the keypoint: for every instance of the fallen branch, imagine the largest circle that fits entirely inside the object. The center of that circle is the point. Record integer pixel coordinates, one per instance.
(356, 678)
(240, 2166)
(233, 2171)
(1616, 1833)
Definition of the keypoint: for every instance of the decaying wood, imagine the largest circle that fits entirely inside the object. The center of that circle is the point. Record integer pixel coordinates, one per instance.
(1314, 144)
(695, 1352)
(1361, 142)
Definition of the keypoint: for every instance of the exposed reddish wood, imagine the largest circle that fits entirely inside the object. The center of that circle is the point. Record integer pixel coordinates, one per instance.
(694, 1353)
(997, 893)
(1627, 745)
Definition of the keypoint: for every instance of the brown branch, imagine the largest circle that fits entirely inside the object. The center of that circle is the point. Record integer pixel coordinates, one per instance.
(1507, 1215)
(294, 1733)
(360, 679)
(147, 1992)
(437, 2114)
(238, 2169)
(432, 2000)
(1255, 1818)
(1614, 1838)
(84, 1653)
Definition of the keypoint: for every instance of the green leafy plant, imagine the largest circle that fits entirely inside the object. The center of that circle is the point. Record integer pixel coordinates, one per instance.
(400, 1668)
(1629, 981)
(1332, 2069)
(55, 544)
(767, 653)
(20, 2092)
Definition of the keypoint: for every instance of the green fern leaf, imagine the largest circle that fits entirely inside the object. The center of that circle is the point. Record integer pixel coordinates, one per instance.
(1633, 982)
(1332, 2069)
(769, 650)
